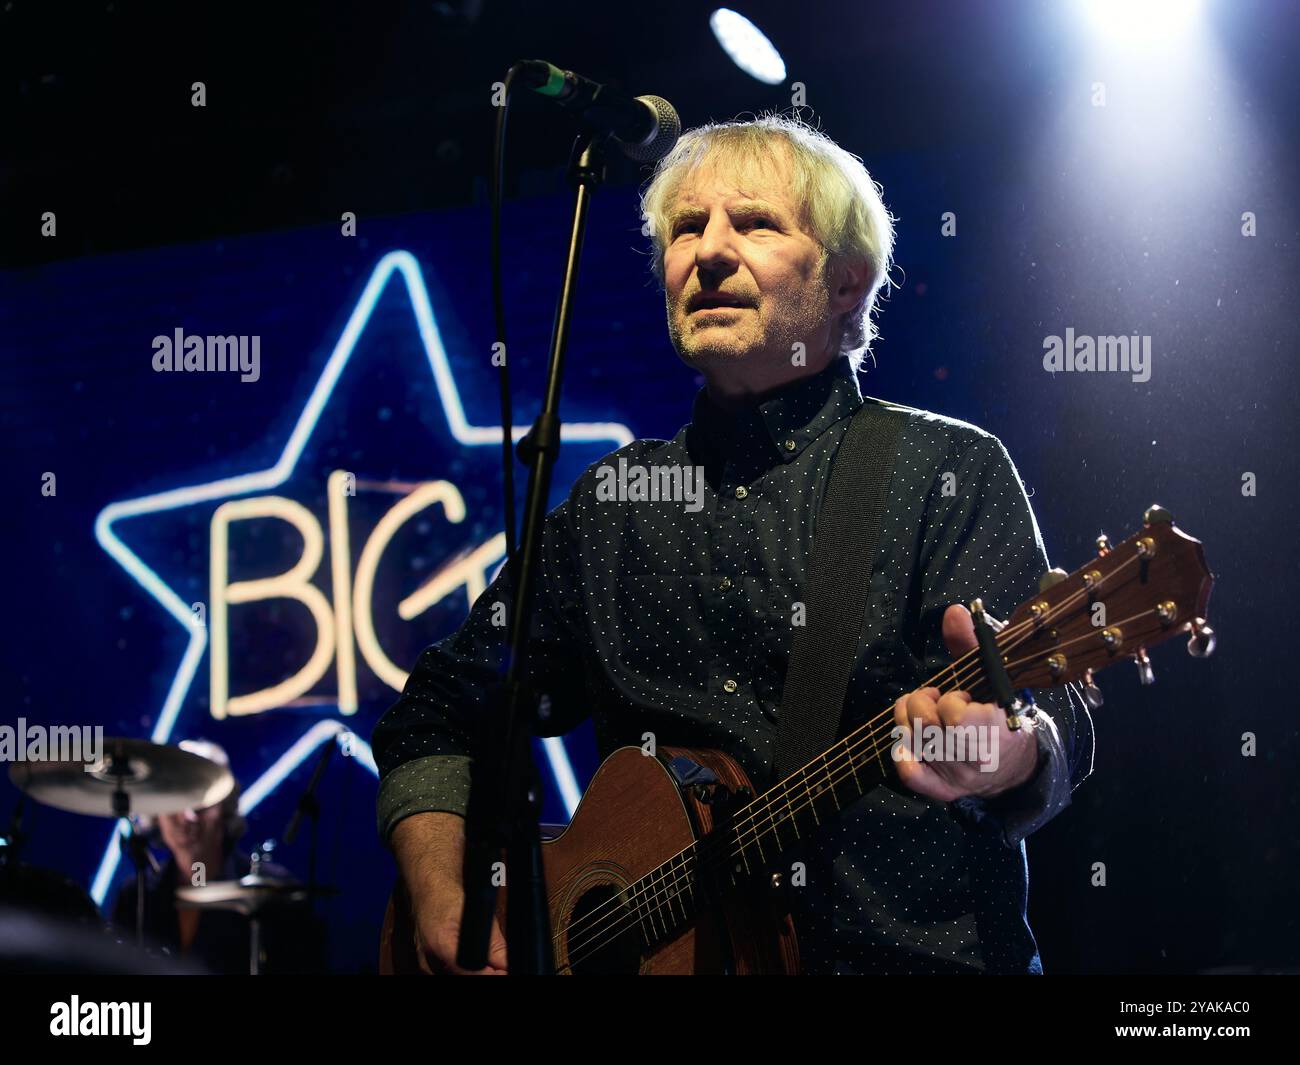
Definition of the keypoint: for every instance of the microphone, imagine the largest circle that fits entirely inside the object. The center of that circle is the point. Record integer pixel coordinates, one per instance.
(645, 127)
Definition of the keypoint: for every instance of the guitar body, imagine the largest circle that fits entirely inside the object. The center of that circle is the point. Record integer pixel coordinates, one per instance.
(634, 819)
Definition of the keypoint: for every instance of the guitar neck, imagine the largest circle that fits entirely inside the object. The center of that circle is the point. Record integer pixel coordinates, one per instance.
(841, 774)
(1130, 597)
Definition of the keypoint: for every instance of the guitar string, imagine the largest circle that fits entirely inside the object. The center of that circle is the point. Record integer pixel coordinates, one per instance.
(677, 871)
(958, 676)
(1026, 628)
(652, 892)
(676, 877)
(668, 890)
(744, 824)
(669, 877)
(773, 794)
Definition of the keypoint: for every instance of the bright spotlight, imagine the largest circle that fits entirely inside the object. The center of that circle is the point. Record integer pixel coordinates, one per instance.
(748, 46)
(1141, 21)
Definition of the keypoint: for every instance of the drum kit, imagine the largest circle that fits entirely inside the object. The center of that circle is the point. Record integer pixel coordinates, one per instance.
(136, 778)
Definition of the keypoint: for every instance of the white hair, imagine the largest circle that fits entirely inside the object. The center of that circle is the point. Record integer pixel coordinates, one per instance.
(841, 203)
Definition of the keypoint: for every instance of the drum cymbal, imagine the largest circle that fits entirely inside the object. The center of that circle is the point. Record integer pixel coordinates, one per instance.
(248, 895)
(154, 778)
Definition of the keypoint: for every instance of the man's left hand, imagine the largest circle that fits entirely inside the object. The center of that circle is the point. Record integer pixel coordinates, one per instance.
(947, 779)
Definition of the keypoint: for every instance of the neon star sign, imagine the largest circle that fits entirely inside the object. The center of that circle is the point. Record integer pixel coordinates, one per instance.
(347, 620)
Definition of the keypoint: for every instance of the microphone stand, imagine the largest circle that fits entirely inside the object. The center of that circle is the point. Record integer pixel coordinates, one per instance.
(309, 806)
(136, 846)
(505, 803)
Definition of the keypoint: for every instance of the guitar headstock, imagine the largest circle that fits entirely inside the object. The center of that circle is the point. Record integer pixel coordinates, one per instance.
(1132, 596)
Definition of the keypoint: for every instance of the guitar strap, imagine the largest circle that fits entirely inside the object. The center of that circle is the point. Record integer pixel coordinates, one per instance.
(825, 649)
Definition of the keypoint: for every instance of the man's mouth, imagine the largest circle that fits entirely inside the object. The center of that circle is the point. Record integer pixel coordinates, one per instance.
(701, 306)
(716, 302)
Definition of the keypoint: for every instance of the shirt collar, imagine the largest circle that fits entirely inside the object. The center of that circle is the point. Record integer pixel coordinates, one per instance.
(789, 420)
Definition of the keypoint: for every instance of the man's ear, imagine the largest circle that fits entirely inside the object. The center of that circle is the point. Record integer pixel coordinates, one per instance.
(849, 281)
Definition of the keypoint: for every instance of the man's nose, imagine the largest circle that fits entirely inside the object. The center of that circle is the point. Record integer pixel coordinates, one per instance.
(716, 249)
(191, 815)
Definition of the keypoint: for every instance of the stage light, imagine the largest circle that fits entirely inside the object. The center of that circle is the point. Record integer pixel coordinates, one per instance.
(1141, 21)
(748, 46)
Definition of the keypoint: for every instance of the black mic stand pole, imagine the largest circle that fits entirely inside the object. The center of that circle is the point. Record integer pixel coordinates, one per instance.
(309, 806)
(136, 847)
(505, 804)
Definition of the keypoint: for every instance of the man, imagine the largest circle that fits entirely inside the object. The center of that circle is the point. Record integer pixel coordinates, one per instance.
(772, 244)
(201, 845)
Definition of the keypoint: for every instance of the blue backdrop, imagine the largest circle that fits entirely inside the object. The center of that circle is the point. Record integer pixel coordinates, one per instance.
(375, 360)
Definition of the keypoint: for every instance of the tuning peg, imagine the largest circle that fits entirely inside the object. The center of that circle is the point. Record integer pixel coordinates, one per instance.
(1200, 644)
(1103, 543)
(1145, 673)
(1156, 513)
(1051, 578)
(1091, 693)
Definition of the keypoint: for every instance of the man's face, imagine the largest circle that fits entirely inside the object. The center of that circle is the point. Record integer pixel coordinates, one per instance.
(194, 831)
(744, 282)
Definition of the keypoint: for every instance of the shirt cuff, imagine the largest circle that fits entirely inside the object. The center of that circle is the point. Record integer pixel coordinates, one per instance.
(434, 784)
(1017, 813)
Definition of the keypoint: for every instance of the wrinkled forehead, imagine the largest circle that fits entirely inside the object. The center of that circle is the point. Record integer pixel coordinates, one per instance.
(764, 177)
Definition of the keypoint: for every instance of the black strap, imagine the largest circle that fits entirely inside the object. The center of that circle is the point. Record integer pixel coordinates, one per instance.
(825, 648)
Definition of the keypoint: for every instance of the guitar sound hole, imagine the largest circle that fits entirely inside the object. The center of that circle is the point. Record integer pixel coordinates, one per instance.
(603, 936)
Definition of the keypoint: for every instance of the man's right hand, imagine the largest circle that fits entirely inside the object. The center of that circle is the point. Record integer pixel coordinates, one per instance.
(436, 915)
(430, 852)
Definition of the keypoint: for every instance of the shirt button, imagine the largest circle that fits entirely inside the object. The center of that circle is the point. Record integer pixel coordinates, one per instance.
(724, 584)
(741, 491)
(790, 445)
(730, 685)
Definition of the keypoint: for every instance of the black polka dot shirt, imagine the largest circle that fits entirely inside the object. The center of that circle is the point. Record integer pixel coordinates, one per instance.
(675, 618)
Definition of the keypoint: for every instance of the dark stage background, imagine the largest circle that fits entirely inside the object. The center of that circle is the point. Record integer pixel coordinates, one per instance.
(1122, 219)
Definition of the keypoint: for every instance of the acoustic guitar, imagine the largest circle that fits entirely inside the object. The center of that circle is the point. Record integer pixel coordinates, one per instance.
(671, 863)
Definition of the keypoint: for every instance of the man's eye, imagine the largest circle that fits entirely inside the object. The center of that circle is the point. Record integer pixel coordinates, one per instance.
(749, 223)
